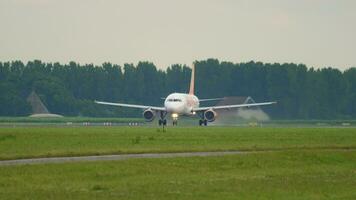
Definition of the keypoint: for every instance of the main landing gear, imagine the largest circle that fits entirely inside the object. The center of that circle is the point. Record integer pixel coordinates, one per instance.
(203, 122)
(162, 121)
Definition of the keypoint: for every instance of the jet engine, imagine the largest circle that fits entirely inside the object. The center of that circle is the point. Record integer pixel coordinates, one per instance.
(210, 115)
(149, 115)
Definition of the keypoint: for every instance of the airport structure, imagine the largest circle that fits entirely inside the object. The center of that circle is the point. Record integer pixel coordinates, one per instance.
(37, 106)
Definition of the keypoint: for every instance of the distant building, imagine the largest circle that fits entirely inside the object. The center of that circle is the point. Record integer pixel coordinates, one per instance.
(38, 108)
(241, 114)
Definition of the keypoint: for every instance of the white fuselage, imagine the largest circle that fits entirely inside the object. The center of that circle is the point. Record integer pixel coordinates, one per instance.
(181, 104)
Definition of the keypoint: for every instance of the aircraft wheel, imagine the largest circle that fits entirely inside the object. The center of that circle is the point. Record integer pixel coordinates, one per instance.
(205, 122)
(160, 122)
(175, 123)
(200, 122)
(164, 122)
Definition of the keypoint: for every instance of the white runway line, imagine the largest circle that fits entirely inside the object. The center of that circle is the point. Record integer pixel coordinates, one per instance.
(116, 157)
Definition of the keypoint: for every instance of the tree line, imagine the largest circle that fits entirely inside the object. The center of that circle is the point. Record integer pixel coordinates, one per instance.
(70, 89)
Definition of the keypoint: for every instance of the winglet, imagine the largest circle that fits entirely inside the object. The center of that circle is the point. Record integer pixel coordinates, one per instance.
(191, 89)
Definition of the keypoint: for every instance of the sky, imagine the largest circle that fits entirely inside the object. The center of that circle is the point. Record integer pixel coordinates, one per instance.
(318, 33)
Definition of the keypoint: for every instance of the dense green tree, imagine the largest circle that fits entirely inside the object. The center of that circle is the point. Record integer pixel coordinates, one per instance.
(71, 89)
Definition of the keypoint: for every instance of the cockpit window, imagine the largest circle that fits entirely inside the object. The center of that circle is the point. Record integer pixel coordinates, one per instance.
(175, 100)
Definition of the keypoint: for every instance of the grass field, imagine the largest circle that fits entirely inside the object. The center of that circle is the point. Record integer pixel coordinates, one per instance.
(313, 163)
(285, 175)
(27, 142)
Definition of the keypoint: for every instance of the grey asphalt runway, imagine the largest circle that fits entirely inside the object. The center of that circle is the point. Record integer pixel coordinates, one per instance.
(116, 157)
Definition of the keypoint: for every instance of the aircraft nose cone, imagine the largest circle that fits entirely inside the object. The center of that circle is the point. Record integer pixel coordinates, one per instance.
(170, 108)
(174, 108)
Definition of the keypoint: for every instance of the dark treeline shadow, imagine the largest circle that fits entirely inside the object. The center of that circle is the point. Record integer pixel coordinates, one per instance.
(70, 89)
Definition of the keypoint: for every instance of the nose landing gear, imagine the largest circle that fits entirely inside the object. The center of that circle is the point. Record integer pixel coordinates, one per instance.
(175, 119)
(175, 122)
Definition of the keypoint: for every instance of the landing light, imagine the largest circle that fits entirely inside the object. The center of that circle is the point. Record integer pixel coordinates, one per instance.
(175, 115)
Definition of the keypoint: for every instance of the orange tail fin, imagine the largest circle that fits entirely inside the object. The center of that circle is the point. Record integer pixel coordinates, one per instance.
(191, 89)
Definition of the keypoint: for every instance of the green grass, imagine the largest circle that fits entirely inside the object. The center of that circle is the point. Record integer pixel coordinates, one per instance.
(319, 123)
(311, 174)
(314, 163)
(26, 142)
(11, 120)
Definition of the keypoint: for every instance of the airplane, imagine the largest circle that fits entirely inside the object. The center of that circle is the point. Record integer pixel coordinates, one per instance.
(182, 104)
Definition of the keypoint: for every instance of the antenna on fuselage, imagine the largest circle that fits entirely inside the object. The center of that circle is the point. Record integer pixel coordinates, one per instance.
(191, 89)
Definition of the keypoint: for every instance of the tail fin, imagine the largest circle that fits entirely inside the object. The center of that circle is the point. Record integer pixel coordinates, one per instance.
(191, 89)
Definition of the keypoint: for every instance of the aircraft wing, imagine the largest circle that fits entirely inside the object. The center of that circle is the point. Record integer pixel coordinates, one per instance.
(232, 106)
(131, 105)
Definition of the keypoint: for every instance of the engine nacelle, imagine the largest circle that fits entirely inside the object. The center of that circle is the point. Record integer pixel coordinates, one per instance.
(149, 115)
(210, 115)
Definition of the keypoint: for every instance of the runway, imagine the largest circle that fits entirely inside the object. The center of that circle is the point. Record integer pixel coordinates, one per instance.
(116, 157)
(70, 159)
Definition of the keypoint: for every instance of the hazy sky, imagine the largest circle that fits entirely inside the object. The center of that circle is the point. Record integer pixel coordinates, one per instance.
(318, 33)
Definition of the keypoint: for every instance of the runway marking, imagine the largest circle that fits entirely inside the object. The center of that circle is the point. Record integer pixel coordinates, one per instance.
(116, 157)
